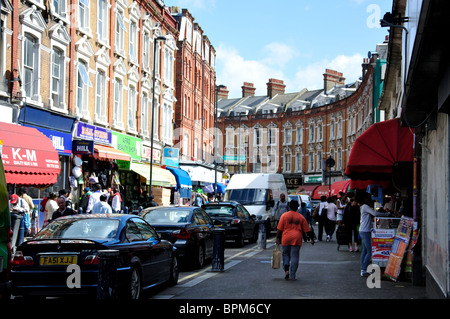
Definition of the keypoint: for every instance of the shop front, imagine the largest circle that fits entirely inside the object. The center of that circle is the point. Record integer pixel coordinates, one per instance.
(96, 159)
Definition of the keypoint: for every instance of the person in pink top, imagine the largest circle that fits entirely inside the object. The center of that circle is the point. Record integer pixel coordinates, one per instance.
(290, 231)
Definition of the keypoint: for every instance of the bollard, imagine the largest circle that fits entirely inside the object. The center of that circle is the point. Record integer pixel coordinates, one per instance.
(107, 274)
(262, 236)
(219, 250)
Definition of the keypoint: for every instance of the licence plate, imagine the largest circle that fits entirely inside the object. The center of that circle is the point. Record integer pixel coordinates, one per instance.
(58, 260)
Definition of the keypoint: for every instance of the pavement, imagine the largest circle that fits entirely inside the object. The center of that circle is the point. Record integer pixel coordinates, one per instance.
(324, 273)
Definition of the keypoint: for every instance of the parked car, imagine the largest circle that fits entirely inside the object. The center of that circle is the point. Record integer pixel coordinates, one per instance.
(301, 198)
(239, 225)
(40, 264)
(188, 228)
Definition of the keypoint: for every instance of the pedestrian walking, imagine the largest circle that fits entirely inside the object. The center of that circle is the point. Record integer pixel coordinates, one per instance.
(330, 225)
(280, 208)
(341, 203)
(63, 209)
(20, 214)
(322, 216)
(50, 207)
(351, 219)
(94, 198)
(116, 200)
(102, 207)
(307, 214)
(365, 230)
(24, 195)
(290, 231)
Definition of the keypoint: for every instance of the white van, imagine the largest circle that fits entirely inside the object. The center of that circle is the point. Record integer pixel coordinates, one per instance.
(258, 193)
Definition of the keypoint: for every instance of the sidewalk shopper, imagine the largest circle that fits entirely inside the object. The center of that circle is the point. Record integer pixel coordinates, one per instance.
(291, 229)
(352, 217)
(280, 208)
(63, 209)
(102, 207)
(50, 207)
(322, 210)
(365, 231)
(330, 225)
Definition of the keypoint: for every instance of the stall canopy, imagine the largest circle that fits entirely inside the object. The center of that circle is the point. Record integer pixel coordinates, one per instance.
(160, 177)
(376, 151)
(307, 189)
(29, 156)
(110, 153)
(322, 190)
(341, 186)
(184, 183)
(209, 188)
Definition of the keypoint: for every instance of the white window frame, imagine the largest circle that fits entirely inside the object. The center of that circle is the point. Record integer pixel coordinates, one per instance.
(120, 29)
(102, 35)
(132, 108)
(311, 162)
(298, 162)
(299, 135)
(287, 162)
(287, 136)
(133, 41)
(83, 83)
(118, 102)
(33, 97)
(59, 91)
(145, 113)
(101, 93)
(84, 12)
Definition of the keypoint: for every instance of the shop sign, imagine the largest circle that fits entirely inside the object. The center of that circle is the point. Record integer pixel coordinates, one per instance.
(146, 151)
(171, 156)
(292, 182)
(61, 141)
(97, 134)
(83, 147)
(313, 178)
(128, 144)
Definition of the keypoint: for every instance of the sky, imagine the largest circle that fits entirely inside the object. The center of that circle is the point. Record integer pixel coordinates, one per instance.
(290, 40)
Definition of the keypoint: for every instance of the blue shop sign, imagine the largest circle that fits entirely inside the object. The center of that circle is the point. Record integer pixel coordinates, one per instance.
(94, 133)
(171, 157)
(83, 147)
(61, 141)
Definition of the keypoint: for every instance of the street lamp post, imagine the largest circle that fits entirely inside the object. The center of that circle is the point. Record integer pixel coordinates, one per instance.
(160, 38)
(215, 138)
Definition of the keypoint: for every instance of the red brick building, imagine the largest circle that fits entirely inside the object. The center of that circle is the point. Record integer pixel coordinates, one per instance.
(294, 133)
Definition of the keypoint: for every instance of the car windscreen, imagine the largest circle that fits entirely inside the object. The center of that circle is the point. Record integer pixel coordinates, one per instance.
(86, 228)
(219, 211)
(247, 196)
(168, 216)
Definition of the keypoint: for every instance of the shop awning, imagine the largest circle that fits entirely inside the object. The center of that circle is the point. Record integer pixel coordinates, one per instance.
(341, 186)
(160, 176)
(307, 189)
(29, 157)
(209, 188)
(184, 183)
(321, 190)
(110, 153)
(376, 151)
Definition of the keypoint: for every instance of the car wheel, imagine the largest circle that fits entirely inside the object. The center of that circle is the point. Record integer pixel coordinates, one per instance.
(135, 284)
(200, 260)
(174, 272)
(240, 240)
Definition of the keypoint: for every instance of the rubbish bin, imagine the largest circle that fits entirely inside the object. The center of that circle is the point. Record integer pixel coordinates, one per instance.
(218, 250)
(107, 274)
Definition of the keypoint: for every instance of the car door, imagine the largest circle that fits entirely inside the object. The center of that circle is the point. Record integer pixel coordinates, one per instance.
(206, 225)
(138, 249)
(246, 221)
(158, 267)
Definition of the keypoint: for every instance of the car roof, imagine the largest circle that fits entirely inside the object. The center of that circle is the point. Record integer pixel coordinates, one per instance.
(97, 216)
(232, 203)
(174, 207)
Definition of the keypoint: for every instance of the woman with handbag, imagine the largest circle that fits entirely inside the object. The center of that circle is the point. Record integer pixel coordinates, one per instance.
(290, 232)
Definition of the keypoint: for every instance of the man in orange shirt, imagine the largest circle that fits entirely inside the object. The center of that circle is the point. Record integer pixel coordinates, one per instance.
(290, 232)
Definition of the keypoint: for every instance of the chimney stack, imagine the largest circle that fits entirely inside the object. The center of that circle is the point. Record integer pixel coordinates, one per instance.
(222, 93)
(248, 89)
(332, 78)
(275, 87)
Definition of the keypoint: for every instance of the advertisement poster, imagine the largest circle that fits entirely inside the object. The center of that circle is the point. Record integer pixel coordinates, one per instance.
(382, 240)
(401, 242)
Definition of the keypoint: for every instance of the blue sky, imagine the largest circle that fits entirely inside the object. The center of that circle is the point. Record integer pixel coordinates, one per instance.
(291, 40)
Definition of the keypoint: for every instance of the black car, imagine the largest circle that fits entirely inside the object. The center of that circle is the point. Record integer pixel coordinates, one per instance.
(40, 265)
(235, 219)
(188, 228)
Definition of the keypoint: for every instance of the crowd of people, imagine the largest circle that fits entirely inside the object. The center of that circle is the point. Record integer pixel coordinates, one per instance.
(350, 211)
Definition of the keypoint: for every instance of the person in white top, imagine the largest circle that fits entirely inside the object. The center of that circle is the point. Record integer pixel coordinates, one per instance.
(330, 225)
(94, 198)
(341, 203)
(102, 207)
(50, 207)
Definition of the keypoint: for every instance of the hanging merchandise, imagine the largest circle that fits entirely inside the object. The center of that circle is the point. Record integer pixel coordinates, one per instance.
(76, 171)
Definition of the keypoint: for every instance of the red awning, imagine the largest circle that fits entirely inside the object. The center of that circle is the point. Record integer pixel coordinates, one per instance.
(110, 153)
(322, 190)
(29, 157)
(307, 189)
(378, 149)
(341, 186)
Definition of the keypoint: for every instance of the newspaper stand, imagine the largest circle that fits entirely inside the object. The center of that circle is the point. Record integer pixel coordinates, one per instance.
(383, 234)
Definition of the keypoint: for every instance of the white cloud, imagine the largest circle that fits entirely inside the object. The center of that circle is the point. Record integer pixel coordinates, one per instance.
(311, 76)
(236, 70)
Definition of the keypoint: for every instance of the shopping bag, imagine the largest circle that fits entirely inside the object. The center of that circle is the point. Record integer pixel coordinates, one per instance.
(276, 257)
